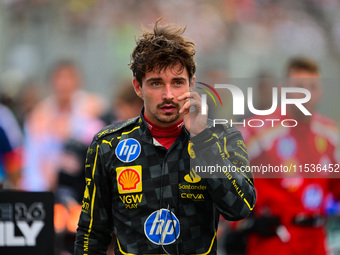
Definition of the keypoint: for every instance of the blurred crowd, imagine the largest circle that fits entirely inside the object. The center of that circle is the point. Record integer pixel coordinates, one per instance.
(55, 53)
(240, 37)
(43, 141)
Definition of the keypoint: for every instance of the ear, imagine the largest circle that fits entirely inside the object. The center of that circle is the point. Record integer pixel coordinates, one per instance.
(137, 87)
(192, 82)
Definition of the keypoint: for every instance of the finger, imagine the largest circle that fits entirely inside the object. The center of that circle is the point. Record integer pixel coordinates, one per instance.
(192, 102)
(195, 95)
(185, 107)
(184, 96)
(189, 94)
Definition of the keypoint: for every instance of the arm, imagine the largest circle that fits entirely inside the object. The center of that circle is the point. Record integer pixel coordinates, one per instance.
(95, 223)
(232, 192)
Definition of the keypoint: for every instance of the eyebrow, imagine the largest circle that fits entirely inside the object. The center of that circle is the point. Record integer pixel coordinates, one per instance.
(179, 79)
(153, 79)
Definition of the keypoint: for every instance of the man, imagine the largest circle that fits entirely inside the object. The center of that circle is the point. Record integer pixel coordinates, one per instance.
(289, 215)
(68, 111)
(126, 104)
(139, 183)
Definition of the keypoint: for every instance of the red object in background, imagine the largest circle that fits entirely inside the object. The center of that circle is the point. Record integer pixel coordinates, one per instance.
(289, 195)
(13, 164)
(66, 218)
(61, 215)
(13, 160)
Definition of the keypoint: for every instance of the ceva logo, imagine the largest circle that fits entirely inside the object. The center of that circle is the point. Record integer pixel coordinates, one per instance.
(161, 228)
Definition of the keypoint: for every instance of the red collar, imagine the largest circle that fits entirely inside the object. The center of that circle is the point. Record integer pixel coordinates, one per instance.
(166, 136)
(164, 132)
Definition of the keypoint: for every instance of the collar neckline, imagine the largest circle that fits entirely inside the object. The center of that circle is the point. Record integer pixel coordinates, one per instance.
(158, 131)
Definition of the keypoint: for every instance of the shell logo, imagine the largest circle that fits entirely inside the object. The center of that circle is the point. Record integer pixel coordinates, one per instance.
(129, 179)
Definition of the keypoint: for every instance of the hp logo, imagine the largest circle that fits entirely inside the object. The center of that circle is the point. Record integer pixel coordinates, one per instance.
(128, 150)
(161, 227)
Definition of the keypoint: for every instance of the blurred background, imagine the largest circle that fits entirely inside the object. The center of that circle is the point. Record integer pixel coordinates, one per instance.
(64, 66)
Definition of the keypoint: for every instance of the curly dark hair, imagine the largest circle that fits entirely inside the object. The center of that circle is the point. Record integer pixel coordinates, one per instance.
(162, 48)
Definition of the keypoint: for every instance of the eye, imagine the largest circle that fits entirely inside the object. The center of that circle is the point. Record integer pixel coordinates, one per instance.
(179, 82)
(156, 83)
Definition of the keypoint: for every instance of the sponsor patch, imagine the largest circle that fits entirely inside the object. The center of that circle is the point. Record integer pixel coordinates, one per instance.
(286, 147)
(161, 227)
(198, 187)
(191, 150)
(87, 192)
(129, 179)
(131, 201)
(128, 150)
(87, 197)
(192, 196)
(312, 197)
(192, 177)
(321, 144)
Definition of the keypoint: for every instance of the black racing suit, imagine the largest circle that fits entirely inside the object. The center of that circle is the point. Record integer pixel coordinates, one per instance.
(130, 177)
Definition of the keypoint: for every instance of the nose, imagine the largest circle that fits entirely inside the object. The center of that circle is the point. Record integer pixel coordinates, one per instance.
(167, 93)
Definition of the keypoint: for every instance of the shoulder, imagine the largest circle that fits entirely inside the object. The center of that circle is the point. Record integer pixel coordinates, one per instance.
(319, 119)
(326, 127)
(221, 128)
(117, 129)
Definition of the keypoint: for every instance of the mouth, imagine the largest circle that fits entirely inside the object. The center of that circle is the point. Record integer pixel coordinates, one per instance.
(168, 108)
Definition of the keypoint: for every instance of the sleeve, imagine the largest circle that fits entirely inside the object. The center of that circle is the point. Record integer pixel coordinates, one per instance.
(225, 157)
(95, 224)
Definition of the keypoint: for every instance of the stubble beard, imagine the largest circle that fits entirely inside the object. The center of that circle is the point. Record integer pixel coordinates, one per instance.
(167, 117)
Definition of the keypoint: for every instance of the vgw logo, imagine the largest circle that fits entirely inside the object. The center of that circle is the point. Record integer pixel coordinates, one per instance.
(161, 227)
(238, 99)
(128, 150)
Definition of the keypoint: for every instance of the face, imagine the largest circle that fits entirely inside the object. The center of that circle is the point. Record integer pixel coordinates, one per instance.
(160, 91)
(64, 82)
(307, 80)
